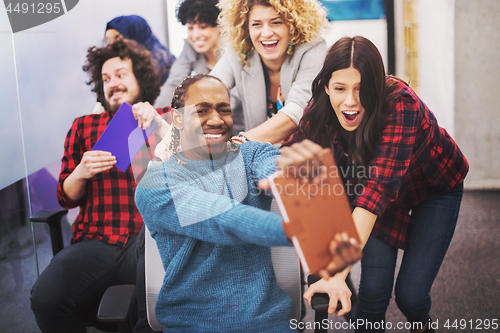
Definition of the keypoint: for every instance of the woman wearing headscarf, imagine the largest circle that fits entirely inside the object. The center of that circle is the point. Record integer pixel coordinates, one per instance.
(136, 28)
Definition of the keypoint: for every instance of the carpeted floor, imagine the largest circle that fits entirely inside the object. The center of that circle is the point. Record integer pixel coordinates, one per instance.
(466, 292)
(467, 288)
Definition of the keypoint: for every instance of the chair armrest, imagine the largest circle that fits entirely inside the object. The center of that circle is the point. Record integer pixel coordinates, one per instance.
(116, 303)
(49, 216)
(53, 219)
(320, 301)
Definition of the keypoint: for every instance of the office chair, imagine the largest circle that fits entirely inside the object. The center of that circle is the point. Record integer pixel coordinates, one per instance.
(118, 303)
(53, 219)
(115, 312)
(288, 275)
(286, 268)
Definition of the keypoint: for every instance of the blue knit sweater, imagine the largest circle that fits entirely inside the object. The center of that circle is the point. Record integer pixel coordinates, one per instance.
(213, 229)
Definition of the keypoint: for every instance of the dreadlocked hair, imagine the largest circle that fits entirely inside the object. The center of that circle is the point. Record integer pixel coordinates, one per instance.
(178, 103)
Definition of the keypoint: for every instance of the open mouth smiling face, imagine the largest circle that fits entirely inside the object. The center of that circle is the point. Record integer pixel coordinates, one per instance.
(207, 123)
(343, 89)
(269, 34)
(119, 83)
(350, 116)
(203, 37)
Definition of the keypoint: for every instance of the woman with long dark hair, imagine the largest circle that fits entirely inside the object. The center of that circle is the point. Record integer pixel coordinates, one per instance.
(403, 174)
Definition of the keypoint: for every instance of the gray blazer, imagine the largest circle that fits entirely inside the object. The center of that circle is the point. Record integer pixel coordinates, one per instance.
(188, 62)
(296, 76)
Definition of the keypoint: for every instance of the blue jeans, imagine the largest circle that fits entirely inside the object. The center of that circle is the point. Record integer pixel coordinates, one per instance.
(433, 225)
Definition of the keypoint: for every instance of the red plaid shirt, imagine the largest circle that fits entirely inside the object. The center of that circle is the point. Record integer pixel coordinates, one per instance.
(414, 158)
(107, 209)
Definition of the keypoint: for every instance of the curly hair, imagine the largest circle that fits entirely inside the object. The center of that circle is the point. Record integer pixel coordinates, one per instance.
(143, 65)
(305, 19)
(202, 11)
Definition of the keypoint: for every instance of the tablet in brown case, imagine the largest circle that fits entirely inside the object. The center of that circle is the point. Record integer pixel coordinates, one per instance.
(314, 213)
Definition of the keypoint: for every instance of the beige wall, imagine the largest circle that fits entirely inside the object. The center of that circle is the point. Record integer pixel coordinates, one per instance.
(477, 89)
(458, 76)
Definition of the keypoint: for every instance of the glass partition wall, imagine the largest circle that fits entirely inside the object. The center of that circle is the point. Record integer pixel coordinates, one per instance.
(42, 90)
(17, 255)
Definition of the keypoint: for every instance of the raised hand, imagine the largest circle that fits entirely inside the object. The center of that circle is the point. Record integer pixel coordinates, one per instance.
(345, 252)
(301, 160)
(145, 113)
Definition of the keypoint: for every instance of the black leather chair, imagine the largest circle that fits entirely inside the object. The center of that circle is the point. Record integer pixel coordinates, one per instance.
(53, 219)
(116, 312)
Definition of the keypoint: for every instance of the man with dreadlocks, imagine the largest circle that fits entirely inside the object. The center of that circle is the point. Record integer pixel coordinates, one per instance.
(212, 224)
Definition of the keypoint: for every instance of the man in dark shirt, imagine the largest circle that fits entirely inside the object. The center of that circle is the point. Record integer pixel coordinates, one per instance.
(107, 245)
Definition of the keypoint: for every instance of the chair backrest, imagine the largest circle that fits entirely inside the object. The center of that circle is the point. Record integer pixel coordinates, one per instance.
(288, 275)
(154, 279)
(286, 267)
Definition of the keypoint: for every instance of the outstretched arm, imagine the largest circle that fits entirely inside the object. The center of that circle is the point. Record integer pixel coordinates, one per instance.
(274, 130)
(214, 205)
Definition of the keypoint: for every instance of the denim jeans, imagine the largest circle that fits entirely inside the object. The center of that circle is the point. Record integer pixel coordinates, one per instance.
(433, 225)
(78, 276)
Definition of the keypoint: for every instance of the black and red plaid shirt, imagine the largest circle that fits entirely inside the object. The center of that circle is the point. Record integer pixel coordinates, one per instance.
(414, 158)
(107, 209)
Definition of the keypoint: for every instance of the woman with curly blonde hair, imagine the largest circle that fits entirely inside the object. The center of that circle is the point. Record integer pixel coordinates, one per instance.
(274, 52)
